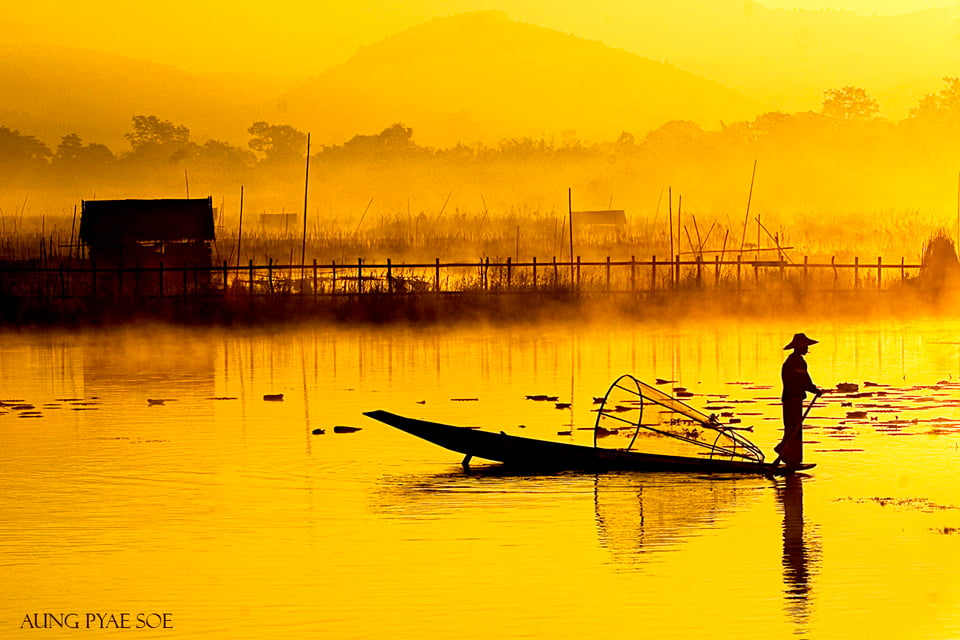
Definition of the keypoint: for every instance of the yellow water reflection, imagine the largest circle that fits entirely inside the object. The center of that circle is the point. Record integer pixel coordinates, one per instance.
(228, 512)
(799, 551)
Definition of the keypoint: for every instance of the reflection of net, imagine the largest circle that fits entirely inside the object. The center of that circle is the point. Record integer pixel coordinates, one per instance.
(638, 514)
(636, 416)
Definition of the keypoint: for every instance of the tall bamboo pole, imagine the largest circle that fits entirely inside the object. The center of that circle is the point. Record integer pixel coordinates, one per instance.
(746, 217)
(570, 211)
(306, 184)
(240, 231)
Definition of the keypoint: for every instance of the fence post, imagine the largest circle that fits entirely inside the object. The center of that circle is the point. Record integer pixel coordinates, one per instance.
(270, 276)
(633, 274)
(716, 271)
(903, 271)
(578, 273)
(389, 276)
(534, 273)
(856, 272)
(806, 260)
(608, 274)
(556, 273)
(739, 265)
(93, 279)
(699, 271)
(315, 291)
(509, 272)
(250, 278)
(676, 276)
(63, 282)
(163, 286)
(436, 275)
(833, 263)
(359, 275)
(653, 274)
(224, 276)
(333, 277)
(879, 271)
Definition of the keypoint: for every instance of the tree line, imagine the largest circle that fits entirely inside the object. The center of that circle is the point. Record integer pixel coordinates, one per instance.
(153, 140)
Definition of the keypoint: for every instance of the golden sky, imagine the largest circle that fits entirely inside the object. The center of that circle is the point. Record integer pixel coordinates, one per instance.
(294, 38)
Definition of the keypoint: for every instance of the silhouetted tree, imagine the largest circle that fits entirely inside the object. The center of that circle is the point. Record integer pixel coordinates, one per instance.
(941, 107)
(71, 150)
(849, 103)
(152, 131)
(395, 138)
(20, 153)
(277, 142)
(225, 155)
(17, 146)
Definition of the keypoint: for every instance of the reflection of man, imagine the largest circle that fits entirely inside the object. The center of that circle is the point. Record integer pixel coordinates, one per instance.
(796, 384)
(796, 551)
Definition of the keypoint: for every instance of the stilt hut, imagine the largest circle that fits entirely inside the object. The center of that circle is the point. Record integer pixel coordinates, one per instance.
(146, 233)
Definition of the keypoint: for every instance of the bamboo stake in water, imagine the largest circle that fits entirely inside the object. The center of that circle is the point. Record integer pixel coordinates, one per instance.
(670, 224)
(306, 184)
(570, 210)
(240, 231)
(746, 217)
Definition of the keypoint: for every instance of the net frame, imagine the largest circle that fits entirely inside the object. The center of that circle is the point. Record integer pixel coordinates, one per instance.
(737, 446)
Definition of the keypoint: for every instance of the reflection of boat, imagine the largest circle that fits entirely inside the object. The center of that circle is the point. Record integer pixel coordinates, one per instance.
(639, 514)
(542, 454)
(680, 438)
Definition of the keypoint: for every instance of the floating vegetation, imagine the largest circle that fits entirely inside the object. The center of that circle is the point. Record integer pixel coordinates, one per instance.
(917, 504)
(464, 399)
(848, 387)
(342, 429)
(318, 432)
(223, 398)
(946, 531)
(273, 397)
(542, 398)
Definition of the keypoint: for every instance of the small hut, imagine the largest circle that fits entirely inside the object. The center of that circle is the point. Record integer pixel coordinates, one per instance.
(176, 232)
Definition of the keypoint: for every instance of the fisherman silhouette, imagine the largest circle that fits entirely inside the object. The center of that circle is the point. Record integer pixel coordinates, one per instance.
(796, 384)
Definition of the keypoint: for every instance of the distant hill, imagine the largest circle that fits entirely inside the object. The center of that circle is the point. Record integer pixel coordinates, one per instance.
(52, 91)
(785, 58)
(482, 77)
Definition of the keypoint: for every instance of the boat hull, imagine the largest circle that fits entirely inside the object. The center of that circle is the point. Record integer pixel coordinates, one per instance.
(529, 453)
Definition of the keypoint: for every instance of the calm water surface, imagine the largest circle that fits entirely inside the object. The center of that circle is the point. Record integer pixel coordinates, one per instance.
(226, 512)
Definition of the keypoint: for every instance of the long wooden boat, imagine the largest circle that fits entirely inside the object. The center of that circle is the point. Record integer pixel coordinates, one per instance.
(530, 453)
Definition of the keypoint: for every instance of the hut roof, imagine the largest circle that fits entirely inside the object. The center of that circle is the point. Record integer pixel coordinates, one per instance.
(119, 222)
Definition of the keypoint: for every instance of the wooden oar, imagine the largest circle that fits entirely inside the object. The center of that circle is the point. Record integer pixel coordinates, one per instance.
(799, 426)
